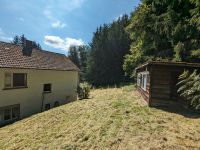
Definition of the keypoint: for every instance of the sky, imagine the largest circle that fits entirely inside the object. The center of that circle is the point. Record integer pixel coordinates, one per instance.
(58, 24)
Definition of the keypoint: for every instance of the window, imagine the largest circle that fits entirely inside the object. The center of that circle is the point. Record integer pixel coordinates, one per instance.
(14, 80)
(138, 79)
(8, 80)
(47, 106)
(47, 88)
(56, 104)
(9, 113)
(142, 80)
(15, 112)
(19, 79)
(1, 115)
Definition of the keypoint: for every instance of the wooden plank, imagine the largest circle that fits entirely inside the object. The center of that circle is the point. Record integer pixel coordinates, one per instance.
(163, 96)
(144, 94)
(161, 88)
(161, 92)
(161, 78)
(161, 82)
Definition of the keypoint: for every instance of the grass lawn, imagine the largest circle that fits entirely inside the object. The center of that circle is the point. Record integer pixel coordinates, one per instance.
(114, 118)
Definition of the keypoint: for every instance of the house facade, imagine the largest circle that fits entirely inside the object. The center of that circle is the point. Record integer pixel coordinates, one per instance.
(157, 81)
(32, 81)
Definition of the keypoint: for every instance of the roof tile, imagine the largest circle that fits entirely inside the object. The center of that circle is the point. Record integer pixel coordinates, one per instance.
(11, 56)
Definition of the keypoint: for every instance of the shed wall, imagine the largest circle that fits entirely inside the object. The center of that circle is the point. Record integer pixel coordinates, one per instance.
(162, 82)
(145, 94)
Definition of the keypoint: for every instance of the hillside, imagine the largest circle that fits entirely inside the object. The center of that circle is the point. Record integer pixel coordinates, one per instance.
(115, 118)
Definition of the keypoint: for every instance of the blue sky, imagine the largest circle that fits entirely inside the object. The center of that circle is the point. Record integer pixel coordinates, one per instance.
(57, 24)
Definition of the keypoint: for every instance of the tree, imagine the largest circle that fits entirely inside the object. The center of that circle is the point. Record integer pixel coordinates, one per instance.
(83, 56)
(15, 40)
(82, 52)
(74, 56)
(109, 45)
(189, 88)
(79, 56)
(20, 40)
(164, 30)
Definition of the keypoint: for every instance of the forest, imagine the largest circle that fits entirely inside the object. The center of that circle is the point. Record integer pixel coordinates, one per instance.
(155, 30)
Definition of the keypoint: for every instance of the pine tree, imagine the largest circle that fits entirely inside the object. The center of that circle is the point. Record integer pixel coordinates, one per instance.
(164, 30)
(74, 56)
(109, 45)
(20, 40)
(15, 40)
(189, 88)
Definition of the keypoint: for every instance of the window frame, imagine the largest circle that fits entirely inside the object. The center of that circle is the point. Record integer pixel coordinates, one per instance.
(10, 108)
(143, 80)
(47, 91)
(139, 78)
(24, 77)
(11, 78)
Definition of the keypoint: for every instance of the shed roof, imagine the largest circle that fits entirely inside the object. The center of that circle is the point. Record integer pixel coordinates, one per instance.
(181, 64)
(11, 56)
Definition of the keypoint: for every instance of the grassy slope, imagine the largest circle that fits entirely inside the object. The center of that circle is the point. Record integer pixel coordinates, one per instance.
(112, 119)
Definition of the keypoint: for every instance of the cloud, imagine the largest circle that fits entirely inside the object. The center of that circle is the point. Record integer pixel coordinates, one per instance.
(58, 24)
(4, 37)
(57, 9)
(47, 13)
(59, 43)
(21, 19)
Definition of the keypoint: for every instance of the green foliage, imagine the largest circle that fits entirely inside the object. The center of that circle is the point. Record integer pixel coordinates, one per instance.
(164, 30)
(109, 45)
(195, 12)
(74, 56)
(179, 50)
(20, 40)
(133, 59)
(79, 56)
(189, 88)
(84, 90)
(196, 53)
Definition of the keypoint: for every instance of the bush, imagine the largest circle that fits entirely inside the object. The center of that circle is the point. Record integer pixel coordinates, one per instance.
(189, 88)
(84, 90)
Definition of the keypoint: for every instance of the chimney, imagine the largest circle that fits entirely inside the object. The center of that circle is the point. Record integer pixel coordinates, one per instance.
(27, 48)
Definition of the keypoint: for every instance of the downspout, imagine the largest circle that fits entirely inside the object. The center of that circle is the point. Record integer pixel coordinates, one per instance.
(42, 101)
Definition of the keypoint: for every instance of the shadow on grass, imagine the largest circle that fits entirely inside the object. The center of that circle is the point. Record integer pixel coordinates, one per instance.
(120, 85)
(179, 109)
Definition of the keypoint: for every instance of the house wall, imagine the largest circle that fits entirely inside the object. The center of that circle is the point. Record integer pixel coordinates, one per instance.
(64, 85)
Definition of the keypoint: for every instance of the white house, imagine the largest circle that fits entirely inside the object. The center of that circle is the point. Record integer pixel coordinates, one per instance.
(33, 80)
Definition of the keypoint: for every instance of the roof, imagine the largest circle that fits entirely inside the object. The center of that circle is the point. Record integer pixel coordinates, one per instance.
(11, 56)
(178, 64)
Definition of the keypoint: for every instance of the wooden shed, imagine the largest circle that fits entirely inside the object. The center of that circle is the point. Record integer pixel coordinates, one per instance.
(157, 81)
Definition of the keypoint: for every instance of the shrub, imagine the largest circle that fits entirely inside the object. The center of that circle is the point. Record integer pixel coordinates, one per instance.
(189, 88)
(84, 90)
